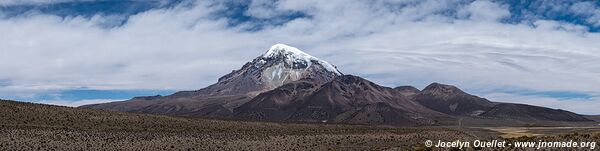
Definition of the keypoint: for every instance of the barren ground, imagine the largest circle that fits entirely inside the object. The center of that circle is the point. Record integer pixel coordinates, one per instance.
(25, 126)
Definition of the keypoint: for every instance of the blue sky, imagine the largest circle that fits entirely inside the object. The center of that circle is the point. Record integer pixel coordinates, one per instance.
(74, 52)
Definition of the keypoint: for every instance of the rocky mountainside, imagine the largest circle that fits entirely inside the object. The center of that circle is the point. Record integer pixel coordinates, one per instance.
(451, 100)
(455, 102)
(286, 84)
(346, 99)
(279, 65)
(530, 113)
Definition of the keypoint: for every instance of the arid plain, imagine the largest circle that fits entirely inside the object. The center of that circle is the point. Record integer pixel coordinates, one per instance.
(27, 126)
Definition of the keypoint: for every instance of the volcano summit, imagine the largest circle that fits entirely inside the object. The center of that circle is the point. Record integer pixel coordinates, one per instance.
(286, 84)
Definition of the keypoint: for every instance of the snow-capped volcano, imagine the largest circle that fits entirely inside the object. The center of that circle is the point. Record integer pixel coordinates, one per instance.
(283, 64)
(285, 83)
(279, 65)
(296, 58)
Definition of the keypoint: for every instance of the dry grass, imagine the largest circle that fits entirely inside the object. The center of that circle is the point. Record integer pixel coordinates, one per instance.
(25, 126)
(514, 132)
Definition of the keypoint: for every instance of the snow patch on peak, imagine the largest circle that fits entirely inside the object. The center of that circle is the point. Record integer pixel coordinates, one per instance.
(282, 49)
(292, 54)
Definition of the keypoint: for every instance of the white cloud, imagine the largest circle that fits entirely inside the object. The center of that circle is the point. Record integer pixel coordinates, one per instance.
(184, 48)
(484, 10)
(587, 9)
(29, 2)
(263, 9)
(76, 103)
(582, 106)
(556, 25)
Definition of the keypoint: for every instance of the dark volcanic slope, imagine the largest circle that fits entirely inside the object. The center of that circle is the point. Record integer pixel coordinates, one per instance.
(278, 104)
(593, 117)
(347, 99)
(280, 65)
(22, 114)
(529, 112)
(287, 84)
(408, 91)
(451, 100)
(213, 106)
(351, 99)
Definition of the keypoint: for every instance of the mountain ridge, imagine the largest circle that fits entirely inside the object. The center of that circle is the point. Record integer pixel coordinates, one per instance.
(286, 84)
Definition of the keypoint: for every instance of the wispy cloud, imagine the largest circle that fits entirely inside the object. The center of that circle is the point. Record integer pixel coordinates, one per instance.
(582, 106)
(188, 46)
(75, 103)
(34, 2)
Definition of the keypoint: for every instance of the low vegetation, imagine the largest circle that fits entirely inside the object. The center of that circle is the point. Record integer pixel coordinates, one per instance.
(26, 126)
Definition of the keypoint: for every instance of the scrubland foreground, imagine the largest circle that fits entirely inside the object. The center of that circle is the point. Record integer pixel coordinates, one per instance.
(27, 126)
